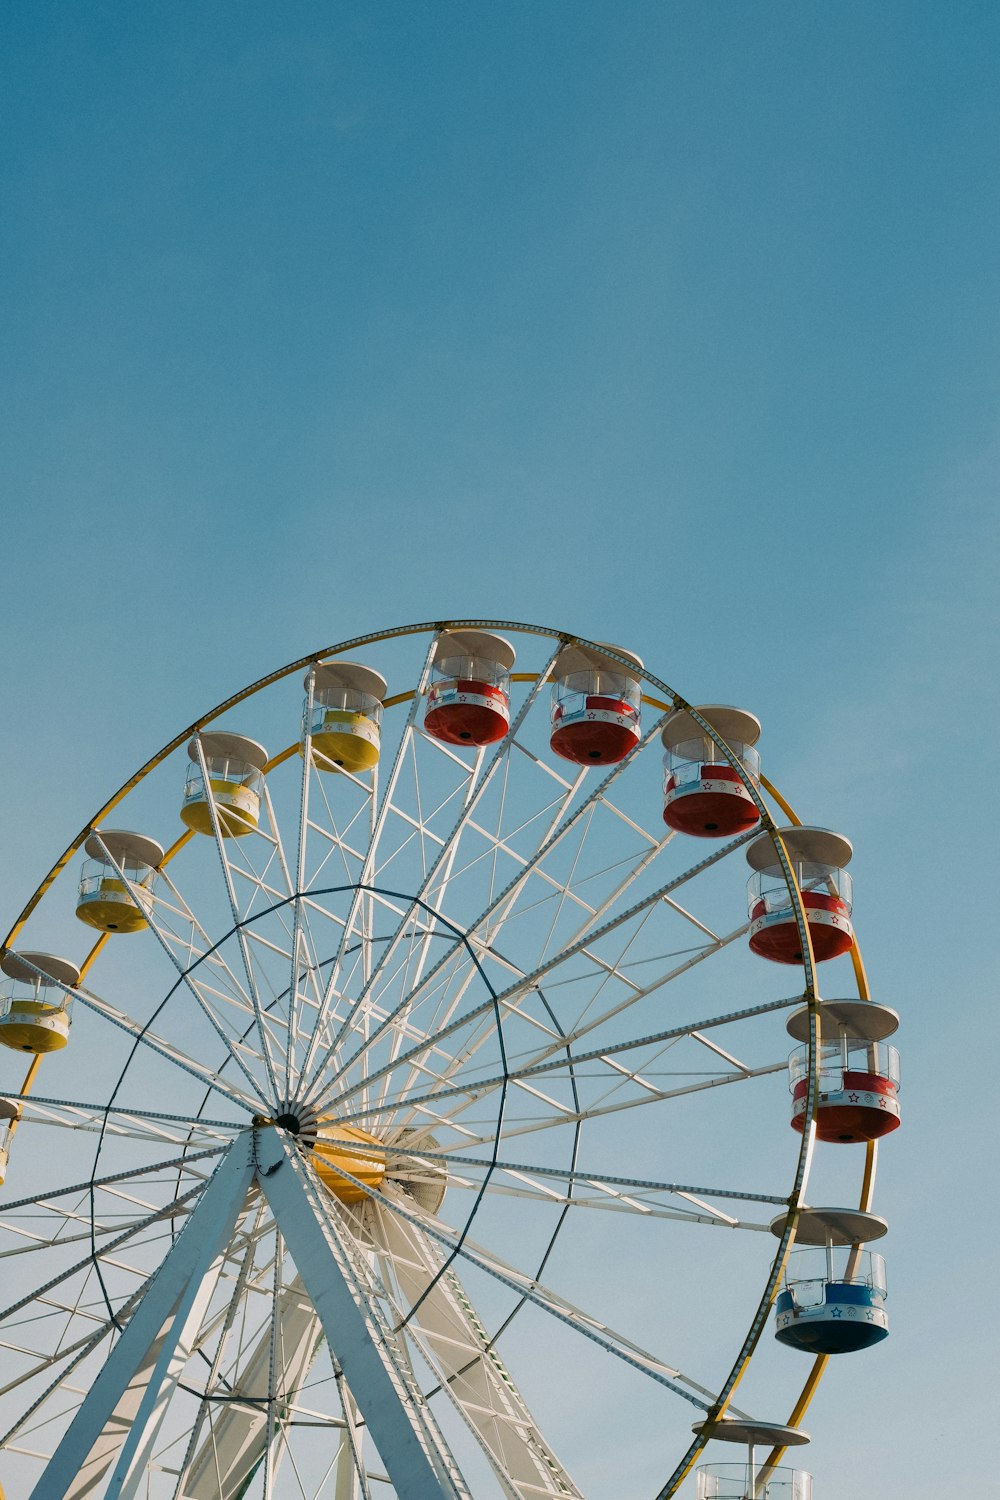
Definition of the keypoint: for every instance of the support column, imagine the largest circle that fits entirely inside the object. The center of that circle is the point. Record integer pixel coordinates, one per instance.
(411, 1446)
(152, 1333)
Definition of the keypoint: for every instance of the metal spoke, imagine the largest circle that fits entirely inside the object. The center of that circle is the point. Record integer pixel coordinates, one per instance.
(240, 932)
(532, 979)
(185, 975)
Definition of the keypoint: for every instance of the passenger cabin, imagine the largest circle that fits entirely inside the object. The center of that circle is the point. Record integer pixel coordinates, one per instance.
(858, 1071)
(818, 859)
(703, 793)
(343, 715)
(595, 705)
(832, 1298)
(341, 1149)
(468, 701)
(116, 883)
(35, 1014)
(235, 781)
(750, 1480)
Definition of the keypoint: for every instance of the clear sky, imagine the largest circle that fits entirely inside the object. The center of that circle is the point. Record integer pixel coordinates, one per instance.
(670, 324)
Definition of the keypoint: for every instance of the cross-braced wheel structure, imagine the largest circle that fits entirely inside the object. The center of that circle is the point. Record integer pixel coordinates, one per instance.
(421, 1121)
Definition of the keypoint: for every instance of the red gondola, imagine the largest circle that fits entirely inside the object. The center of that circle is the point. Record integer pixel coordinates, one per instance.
(858, 1071)
(595, 705)
(817, 857)
(468, 702)
(703, 794)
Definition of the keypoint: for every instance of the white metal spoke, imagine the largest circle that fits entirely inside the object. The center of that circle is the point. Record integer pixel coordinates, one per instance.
(368, 871)
(241, 934)
(184, 975)
(531, 979)
(298, 887)
(557, 1120)
(532, 1291)
(166, 1050)
(469, 1371)
(588, 1178)
(545, 1062)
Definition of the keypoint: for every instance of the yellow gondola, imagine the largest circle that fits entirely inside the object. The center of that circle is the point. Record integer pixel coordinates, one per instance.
(106, 900)
(234, 766)
(346, 720)
(32, 1019)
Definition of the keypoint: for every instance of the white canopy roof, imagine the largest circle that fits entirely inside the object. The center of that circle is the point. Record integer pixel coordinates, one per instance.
(219, 743)
(578, 658)
(124, 846)
(833, 1226)
(861, 1019)
(746, 1430)
(27, 966)
(818, 846)
(734, 725)
(347, 674)
(475, 643)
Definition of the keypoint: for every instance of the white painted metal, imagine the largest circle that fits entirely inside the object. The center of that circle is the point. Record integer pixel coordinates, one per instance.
(220, 743)
(864, 1019)
(481, 643)
(176, 1344)
(123, 846)
(93, 1471)
(347, 674)
(833, 1226)
(402, 1427)
(198, 749)
(577, 658)
(39, 968)
(749, 1431)
(234, 1446)
(818, 846)
(168, 1303)
(472, 1373)
(735, 725)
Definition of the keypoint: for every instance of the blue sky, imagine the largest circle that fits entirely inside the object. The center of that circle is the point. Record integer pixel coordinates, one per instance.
(669, 324)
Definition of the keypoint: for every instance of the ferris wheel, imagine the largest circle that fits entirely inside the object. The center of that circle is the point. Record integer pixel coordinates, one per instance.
(412, 1118)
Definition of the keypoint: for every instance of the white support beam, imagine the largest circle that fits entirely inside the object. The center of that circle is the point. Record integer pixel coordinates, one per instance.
(475, 1378)
(407, 1437)
(233, 1447)
(114, 1432)
(129, 1477)
(155, 1327)
(348, 1459)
